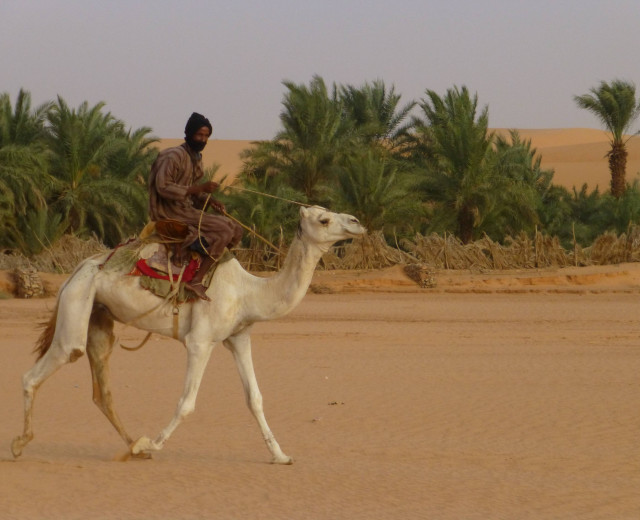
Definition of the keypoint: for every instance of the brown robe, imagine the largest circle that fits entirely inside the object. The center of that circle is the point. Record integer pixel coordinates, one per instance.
(174, 170)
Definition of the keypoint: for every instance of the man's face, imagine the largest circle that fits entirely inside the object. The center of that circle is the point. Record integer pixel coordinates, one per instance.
(202, 135)
(199, 139)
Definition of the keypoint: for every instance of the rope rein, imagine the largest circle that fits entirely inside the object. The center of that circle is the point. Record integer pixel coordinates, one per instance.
(269, 195)
(245, 227)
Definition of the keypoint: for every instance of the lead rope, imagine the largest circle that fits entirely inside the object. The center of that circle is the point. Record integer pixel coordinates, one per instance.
(269, 195)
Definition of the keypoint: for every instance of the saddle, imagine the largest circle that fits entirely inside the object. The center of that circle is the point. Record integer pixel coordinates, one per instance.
(151, 257)
(163, 255)
(171, 233)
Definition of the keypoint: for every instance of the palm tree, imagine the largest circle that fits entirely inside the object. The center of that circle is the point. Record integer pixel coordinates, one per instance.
(90, 188)
(555, 214)
(524, 185)
(619, 214)
(23, 163)
(476, 182)
(130, 164)
(312, 142)
(21, 125)
(377, 189)
(37, 230)
(616, 107)
(588, 215)
(374, 111)
(457, 169)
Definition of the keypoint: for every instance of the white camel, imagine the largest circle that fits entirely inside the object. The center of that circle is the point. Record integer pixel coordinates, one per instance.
(91, 299)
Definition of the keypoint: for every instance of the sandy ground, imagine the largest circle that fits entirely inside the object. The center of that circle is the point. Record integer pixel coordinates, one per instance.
(510, 395)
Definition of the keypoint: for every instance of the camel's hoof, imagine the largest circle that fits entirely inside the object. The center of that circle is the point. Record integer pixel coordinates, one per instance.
(124, 457)
(16, 446)
(142, 445)
(143, 455)
(285, 460)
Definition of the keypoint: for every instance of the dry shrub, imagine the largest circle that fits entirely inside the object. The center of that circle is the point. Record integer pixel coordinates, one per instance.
(448, 252)
(443, 252)
(368, 252)
(612, 249)
(373, 252)
(66, 254)
(549, 252)
(62, 257)
(10, 260)
(261, 256)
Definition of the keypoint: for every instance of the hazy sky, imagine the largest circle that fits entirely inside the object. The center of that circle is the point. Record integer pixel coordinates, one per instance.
(154, 62)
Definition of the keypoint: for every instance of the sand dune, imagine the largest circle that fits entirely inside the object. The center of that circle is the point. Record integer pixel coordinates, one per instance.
(577, 155)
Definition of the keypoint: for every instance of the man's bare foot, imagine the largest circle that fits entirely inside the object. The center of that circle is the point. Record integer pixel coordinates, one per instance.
(199, 289)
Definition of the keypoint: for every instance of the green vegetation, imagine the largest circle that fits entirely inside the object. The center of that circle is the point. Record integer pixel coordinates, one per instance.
(69, 171)
(406, 170)
(357, 149)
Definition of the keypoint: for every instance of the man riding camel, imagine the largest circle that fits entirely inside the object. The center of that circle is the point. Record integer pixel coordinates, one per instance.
(175, 194)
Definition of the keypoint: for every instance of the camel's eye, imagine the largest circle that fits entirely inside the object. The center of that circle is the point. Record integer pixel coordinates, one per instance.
(325, 221)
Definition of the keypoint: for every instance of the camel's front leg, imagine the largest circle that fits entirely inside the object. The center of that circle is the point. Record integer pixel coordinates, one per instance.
(240, 346)
(198, 356)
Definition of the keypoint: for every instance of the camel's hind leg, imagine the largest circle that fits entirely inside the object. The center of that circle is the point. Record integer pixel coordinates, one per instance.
(63, 341)
(100, 342)
(31, 381)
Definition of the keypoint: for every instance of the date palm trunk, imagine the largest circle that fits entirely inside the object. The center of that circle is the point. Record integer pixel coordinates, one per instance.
(466, 219)
(618, 168)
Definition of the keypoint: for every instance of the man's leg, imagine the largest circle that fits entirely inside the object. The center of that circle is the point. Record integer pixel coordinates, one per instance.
(195, 284)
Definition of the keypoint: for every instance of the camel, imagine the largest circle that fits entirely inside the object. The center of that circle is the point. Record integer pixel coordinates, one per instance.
(91, 299)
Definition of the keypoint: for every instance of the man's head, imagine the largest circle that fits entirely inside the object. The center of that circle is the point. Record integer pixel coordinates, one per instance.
(197, 132)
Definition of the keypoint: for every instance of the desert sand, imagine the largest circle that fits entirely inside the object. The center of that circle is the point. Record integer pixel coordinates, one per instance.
(494, 395)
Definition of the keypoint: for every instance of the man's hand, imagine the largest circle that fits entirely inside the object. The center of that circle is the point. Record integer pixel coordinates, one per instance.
(218, 206)
(210, 186)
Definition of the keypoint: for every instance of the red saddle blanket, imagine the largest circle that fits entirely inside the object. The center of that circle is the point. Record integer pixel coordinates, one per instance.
(142, 268)
(150, 260)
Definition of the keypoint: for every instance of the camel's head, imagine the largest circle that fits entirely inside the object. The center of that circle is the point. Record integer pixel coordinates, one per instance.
(325, 228)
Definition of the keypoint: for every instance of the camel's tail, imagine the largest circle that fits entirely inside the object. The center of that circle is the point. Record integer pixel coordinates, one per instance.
(46, 337)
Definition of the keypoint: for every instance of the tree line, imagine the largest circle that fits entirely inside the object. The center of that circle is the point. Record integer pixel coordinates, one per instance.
(407, 169)
(69, 170)
(429, 166)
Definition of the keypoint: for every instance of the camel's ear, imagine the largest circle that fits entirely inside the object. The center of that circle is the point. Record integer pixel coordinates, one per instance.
(304, 212)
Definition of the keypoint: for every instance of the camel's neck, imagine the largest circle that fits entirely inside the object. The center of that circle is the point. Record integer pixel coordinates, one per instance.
(284, 290)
